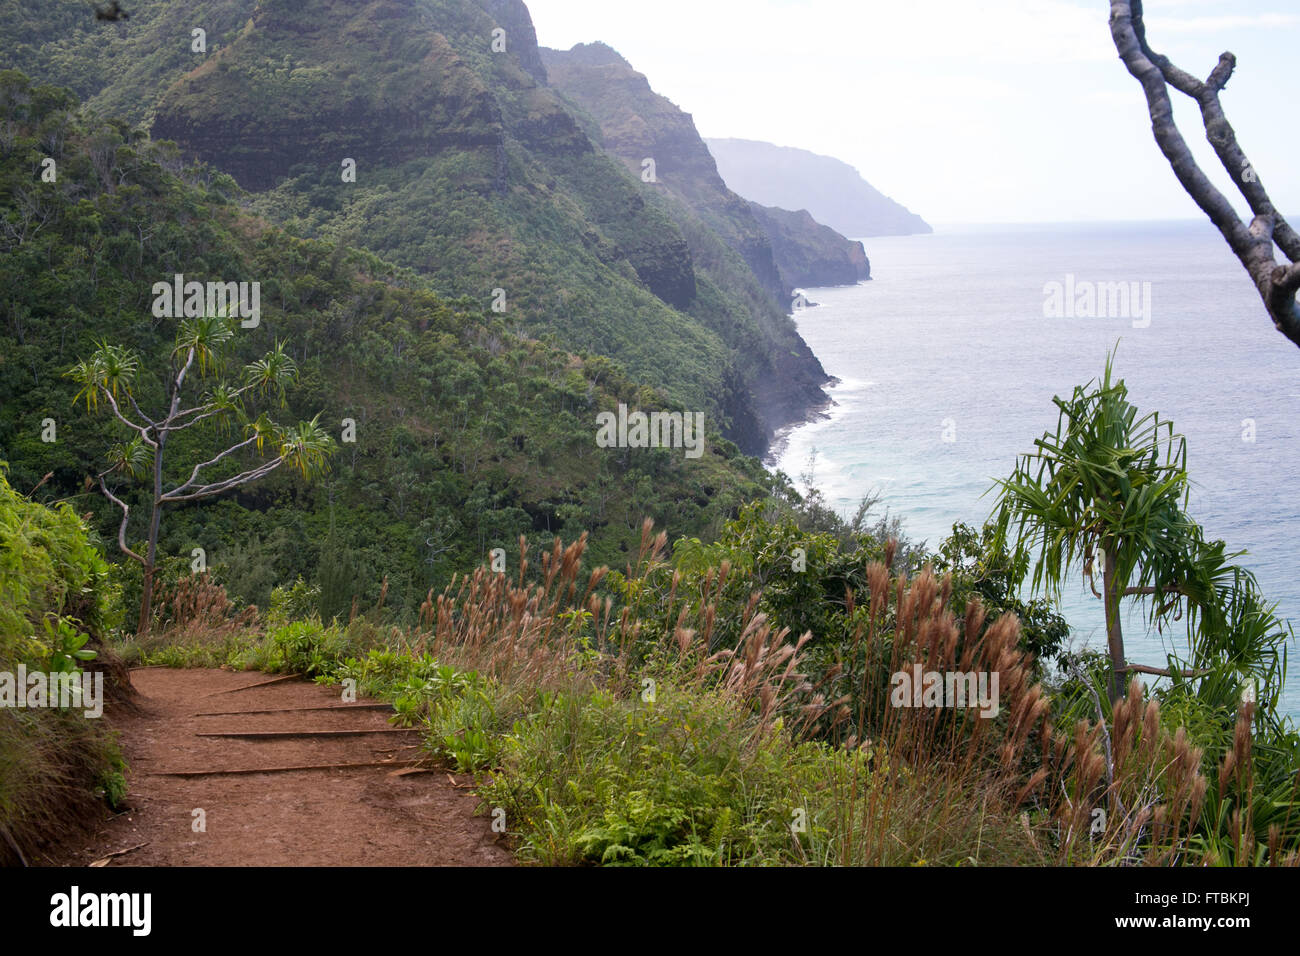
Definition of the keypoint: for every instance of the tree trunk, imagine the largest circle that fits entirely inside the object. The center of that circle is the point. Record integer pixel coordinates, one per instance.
(151, 552)
(1252, 243)
(1114, 632)
(146, 599)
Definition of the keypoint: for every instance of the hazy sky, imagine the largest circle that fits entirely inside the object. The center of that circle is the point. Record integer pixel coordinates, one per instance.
(963, 110)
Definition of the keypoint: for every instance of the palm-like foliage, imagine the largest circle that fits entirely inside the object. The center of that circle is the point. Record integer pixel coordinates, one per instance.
(306, 447)
(273, 372)
(225, 401)
(1110, 487)
(260, 429)
(206, 335)
(132, 457)
(110, 369)
(1105, 481)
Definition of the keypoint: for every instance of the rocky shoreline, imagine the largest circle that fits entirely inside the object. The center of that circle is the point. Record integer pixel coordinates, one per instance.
(781, 438)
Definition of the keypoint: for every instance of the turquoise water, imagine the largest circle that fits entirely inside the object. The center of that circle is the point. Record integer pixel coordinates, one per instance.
(949, 340)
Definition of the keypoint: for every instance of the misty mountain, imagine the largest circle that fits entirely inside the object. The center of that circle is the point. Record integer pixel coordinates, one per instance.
(637, 124)
(832, 191)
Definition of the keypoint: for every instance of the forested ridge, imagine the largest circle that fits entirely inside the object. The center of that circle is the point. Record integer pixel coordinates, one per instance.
(470, 169)
(467, 432)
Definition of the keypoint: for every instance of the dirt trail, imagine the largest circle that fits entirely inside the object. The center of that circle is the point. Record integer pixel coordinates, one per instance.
(357, 816)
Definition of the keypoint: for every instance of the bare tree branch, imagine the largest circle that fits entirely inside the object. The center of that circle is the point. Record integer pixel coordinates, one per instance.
(144, 432)
(217, 488)
(193, 421)
(126, 516)
(1253, 244)
(139, 412)
(173, 422)
(1166, 672)
(203, 464)
(180, 381)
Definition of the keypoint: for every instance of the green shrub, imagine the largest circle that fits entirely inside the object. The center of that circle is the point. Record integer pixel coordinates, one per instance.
(55, 596)
(305, 647)
(294, 603)
(677, 782)
(48, 566)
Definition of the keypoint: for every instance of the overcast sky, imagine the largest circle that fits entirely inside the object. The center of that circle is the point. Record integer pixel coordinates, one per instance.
(962, 110)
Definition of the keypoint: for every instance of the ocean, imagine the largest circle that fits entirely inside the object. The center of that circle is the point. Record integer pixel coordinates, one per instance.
(948, 360)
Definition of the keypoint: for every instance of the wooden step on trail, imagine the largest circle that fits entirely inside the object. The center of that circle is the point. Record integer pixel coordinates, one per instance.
(304, 734)
(262, 683)
(292, 710)
(298, 769)
(287, 782)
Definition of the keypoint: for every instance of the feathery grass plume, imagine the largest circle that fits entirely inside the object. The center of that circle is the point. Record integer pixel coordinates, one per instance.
(199, 608)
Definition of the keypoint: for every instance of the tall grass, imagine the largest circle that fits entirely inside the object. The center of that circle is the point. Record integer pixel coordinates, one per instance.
(623, 718)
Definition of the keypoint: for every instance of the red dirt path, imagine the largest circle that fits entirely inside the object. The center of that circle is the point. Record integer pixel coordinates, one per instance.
(337, 817)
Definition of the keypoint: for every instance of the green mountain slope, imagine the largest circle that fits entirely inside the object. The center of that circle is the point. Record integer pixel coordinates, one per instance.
(468, 434)
(469, 169)
(728, 244)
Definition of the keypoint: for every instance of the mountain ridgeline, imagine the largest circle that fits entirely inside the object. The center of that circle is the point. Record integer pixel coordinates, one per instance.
(495, 169)
(729, 246)
(454, 232)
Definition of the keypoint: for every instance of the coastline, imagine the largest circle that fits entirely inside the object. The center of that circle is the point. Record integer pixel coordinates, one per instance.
(817, 413)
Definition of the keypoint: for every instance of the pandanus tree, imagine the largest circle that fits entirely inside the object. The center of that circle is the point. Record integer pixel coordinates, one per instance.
(118, 376)
(1106, 495)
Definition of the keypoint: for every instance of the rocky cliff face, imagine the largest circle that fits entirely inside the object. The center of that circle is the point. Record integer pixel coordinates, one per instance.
(636, 124)
(520, 36)
(810, 254)
(296, 89)
(730, 247)
(418, 80)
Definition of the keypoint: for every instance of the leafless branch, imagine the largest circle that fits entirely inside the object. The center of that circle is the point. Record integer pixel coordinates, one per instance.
(1253, 244)
(1166, 672)
(194, 475)
(144, 432)
(218, 487)
(175, 422)
(180, 381)
(126, 516)
(139, 412)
